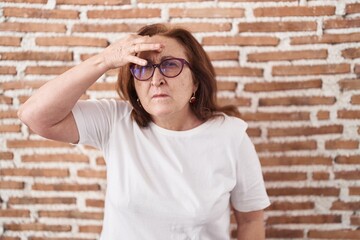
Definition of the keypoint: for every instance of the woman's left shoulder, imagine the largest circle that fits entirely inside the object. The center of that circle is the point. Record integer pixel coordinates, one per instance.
(232, 121)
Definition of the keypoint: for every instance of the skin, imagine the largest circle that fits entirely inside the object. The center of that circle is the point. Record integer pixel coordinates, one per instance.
(167, 99)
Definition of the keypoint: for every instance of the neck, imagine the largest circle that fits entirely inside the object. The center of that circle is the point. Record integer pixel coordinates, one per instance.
(178, 123)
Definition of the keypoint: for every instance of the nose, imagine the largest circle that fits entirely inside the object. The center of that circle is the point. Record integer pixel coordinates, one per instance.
(157, 78)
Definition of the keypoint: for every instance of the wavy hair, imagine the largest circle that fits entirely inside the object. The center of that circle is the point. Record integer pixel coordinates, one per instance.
(203, 74)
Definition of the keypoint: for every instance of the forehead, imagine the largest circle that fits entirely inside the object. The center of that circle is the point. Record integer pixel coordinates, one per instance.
(171, 48)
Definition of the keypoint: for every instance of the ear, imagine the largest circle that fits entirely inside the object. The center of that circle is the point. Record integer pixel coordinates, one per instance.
(196, 86)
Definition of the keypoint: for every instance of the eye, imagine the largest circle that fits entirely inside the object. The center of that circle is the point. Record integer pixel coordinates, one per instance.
(171, 63)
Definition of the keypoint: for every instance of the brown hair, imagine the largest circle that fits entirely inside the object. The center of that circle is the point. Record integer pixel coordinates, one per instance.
(203, 73)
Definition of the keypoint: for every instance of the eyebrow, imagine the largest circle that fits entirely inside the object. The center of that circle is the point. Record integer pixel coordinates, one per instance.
(161, 59)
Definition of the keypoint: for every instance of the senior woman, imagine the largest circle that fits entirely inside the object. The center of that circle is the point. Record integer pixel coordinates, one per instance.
(176, 162)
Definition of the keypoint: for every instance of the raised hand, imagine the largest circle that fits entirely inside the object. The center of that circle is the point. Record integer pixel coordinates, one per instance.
(125, 51)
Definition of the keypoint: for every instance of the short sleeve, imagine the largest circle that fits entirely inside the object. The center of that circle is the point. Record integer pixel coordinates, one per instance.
(95, 120)
(249, 193)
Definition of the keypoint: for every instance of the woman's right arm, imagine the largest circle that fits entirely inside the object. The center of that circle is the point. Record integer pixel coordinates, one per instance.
(48, 111)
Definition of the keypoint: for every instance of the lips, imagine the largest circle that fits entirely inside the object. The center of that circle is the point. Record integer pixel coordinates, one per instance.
(160, 95)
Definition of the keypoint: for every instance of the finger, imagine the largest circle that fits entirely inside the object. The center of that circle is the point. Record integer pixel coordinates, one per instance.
(137, 60)
(143, 47)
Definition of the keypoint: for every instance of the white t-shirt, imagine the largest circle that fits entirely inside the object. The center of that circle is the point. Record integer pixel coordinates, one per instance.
(163, 184)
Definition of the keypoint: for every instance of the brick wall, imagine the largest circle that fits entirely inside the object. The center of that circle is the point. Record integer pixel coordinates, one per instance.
(291, 66)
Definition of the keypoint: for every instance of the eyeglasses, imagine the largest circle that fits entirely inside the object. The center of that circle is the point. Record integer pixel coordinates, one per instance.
(170, 68)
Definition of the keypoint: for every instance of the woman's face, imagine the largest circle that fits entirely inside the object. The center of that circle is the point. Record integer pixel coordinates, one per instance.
(163, 97)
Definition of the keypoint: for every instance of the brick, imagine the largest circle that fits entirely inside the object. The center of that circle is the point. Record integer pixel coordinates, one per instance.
(296, 101)
(6, 156)
(275, 116)
(92, 2)
(223, 55)
(10, 41)
(355, 220)
(36, 144)
(241, 41)
(288, 206)
(100, 161)
(35, 172)
(287, 146)
(294, 11)
(326, 38)
(282, 86)
(284, 233)
(166, 1)
(352, 8)
(348, 175)
(59, 238)
(37, 56)
(354, 159)
(254, 132)
(341, 144)
(206, 12)
(277, 26)
(304, 191)
(90, 229)
(239, 71)
(311, 219)
(71, 41)
(226, 86)
(94, 28)
(334, 234)
(238, 101)
(287, 55)
(95, 203)
(205, 27)
(342, 23)
(66, 187)
(352, 53)
(354, 191)
(320, 176)
(294, 70)
(22, 84)
(62, 238)
(37, 227)
(305, 131)
(14, 213)
(340, 205)
(32, 27)
(258, 0)
(26, 1)
(89, 173)
(348, 114)
(12, 185)
(355, 100)
(46, 70)
(291, 161)
(41, 200)
(40, 13)
(357, 69)
(323, 115)
(3, 237)
(8, 71)
(71, 214)
(125, 13)
(6, 100)
(284, 176)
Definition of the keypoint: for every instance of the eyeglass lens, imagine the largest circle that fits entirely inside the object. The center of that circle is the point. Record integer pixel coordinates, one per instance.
(169, 68)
